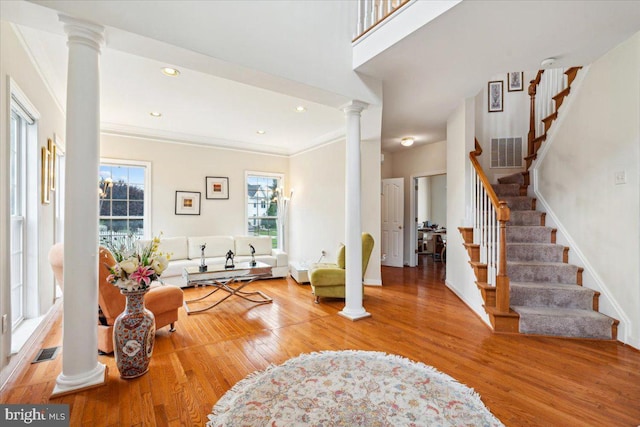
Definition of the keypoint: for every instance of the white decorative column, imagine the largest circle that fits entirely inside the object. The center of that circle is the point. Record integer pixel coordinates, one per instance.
(80, 367)
(353, 308)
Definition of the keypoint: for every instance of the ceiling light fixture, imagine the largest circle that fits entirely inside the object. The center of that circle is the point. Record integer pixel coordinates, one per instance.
(155, 114)
(547, 62)
(171, 72)
(407, 142)
(300, 109)
(260, 132)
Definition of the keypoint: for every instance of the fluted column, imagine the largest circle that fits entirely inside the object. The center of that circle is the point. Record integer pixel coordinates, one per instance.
(80, 367)
(353, 234)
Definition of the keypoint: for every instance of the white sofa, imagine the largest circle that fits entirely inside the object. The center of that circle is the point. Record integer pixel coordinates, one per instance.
(185, 251)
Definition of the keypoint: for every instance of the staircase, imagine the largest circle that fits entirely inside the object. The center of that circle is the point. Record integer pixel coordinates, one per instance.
(545, 291)
(525, 279)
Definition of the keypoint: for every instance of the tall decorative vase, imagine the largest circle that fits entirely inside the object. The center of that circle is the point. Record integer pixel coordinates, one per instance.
(134, 332)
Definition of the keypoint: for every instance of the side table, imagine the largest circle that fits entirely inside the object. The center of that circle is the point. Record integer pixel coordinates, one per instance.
(299, 273)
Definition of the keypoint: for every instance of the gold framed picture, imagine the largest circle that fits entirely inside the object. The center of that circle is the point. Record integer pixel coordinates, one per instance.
(45, 161)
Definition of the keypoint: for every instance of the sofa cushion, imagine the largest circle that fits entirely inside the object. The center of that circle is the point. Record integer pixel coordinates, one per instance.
(263, 245)
(176, 268)
(175, 247)
(217, 246)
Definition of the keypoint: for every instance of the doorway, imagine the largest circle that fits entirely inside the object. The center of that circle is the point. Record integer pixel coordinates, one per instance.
(429, 226)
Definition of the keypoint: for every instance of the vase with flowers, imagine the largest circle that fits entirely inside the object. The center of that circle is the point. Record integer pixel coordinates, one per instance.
(137, 266)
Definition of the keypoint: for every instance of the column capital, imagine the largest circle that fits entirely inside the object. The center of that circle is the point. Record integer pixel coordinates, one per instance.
(354, 106)
(83, 32)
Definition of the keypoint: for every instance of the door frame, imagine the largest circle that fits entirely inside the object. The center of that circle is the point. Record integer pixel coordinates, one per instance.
(413, 229)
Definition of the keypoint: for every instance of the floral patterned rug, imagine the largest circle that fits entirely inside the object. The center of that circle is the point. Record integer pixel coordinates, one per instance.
(350, 388)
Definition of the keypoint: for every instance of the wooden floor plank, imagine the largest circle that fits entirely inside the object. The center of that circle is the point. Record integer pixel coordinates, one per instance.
(525, 381)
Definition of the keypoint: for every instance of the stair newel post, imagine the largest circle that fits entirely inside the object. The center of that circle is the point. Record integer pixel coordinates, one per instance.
(502, 281)
(533, 87)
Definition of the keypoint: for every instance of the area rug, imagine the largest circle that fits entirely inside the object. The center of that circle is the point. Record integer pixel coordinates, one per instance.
(350, 388)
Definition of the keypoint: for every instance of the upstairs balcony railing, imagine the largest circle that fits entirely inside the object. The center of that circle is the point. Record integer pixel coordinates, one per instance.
(372, 12)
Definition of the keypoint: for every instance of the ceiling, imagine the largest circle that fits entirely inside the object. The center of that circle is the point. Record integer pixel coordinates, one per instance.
(222, 98)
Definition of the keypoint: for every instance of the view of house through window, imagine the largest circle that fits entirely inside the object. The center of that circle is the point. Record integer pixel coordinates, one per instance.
(123, 198)
(262, 206)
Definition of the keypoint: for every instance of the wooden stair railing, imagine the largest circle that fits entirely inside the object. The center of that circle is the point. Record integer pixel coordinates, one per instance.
(488, 250)
(373, 12)
(535, 141)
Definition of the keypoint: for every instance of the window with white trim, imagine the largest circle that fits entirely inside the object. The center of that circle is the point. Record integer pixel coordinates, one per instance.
(124, 189)
(23, 207)
(262, 207)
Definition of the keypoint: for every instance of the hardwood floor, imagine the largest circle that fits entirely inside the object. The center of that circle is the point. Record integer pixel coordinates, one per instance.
(524, 381)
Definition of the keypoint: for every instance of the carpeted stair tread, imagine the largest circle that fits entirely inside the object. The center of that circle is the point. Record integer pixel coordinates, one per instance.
(502, 190)
(564, 322)
(550, 272)
(518, 203)
(558, 295)
(525, 218)
(529, 234)
(516, 178)
(542, 252)
(544, 289)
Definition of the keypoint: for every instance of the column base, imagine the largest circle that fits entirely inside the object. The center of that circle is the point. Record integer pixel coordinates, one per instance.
(354, 315)
(67, 385)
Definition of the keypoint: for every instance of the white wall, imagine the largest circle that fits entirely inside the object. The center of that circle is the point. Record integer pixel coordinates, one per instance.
(183, 167)
(438, 196)
(598, 135)
(423, 201)
(386, 168)
(423, 160)
(317, 220)
(460, 137)
(512, 122)
(14, 62)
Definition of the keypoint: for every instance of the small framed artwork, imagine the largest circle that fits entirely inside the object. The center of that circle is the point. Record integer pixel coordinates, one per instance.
(44, 175)
(514, 81)
(217, 187)
(495, 96)
(187, 203)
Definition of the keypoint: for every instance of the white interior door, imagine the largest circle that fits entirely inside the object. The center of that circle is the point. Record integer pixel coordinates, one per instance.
(393, 222)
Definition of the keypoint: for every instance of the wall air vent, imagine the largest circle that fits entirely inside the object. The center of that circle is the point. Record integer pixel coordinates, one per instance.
(506, 152)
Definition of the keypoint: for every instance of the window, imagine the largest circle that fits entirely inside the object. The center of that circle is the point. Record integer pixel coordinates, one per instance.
(24, 195)
(17, 207)
(124, 199)
(262, 206)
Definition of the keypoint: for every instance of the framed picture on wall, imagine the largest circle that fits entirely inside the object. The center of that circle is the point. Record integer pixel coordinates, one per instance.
(494, 93)
(514, 81)
(45, 162)
(217, 187)
(187, 203)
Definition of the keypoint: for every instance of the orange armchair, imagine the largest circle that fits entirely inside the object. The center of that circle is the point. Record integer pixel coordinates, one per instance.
(162, 300)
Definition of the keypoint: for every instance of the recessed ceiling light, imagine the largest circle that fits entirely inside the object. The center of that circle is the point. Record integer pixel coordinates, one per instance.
(155, 114)
(407, 142)
(260, 132)
(171, 72)
(300, 109)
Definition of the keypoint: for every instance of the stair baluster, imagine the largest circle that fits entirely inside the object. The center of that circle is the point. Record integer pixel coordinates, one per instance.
(489, 233)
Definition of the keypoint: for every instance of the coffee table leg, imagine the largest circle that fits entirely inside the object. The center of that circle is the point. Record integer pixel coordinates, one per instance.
(265, 299)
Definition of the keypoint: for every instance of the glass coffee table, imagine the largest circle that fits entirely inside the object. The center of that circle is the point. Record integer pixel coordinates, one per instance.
(222, 278)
